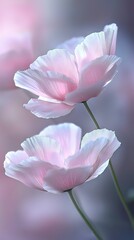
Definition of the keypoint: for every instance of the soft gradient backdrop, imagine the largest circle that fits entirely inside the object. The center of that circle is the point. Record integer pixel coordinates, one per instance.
(28, 28)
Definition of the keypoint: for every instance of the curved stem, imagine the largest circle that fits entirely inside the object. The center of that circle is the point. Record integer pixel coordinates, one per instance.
(121, 195)
(91, 115)
(119, 192)
(83, 216)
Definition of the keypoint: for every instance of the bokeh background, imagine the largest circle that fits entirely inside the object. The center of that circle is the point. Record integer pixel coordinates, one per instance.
(28, 28)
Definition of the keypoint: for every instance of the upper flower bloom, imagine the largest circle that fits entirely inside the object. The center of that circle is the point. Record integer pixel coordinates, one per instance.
(57, 160)
(74, 73)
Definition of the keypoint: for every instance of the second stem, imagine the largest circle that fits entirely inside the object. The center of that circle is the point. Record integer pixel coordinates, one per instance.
(119, 192)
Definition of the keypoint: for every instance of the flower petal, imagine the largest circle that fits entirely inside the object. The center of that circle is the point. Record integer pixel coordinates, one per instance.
(68, 135)
(111, 36)
(31, 172)
(93, 78)
(43, 148)
(91, 48)
(98, 171)
(49, 85)
(96, 70)
(59, 180)
(15, 157)
(96, 150)
(71, 44)
(112, 143)
(58, 61)
(45, 109)
(98, 134)
(87, 155)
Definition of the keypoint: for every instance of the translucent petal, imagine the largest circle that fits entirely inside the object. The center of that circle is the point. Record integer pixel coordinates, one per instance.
(45, 109)
(59, 180)
(43, 148)
(58, 61)
(68, 135)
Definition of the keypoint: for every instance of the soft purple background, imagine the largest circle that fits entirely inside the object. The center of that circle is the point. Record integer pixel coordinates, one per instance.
(28, 28)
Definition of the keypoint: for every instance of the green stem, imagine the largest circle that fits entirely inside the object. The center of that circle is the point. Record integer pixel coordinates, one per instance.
(83, 216)
(91, 115)
(119, 192)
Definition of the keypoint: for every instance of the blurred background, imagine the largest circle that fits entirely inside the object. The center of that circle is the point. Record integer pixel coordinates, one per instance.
(28, 28)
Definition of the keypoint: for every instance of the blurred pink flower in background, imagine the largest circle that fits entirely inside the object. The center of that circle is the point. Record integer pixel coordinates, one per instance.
(54, 160)
(64, 77)
(18, 33)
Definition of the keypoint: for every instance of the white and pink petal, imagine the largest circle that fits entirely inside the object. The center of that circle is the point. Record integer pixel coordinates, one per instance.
(91, 48)
(68, 135)
(46, 109)
(98, 171)
(111, 37)
(59, 61)
(83, 94)
(43, 148)
(98, 134)
(31, 172)
(93, 79)
(87, 155)
(60, 180)
(97, 69)
(15, 157)
(50, 85)
(104, 138)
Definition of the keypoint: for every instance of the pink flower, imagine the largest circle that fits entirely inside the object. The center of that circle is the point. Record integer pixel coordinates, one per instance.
(57, 160)
(20, 24)
(15, 57)
(71, 75)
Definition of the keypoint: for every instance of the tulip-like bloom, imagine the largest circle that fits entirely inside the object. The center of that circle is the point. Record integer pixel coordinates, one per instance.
(75, 72)
(57, 160)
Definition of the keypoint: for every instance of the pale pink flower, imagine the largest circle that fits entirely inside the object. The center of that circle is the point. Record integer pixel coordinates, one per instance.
(57, 160)
(20, 23)
(15, 57)
(76, 73)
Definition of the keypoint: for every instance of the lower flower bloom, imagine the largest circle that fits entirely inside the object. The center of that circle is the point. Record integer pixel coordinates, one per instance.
(57, 159)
